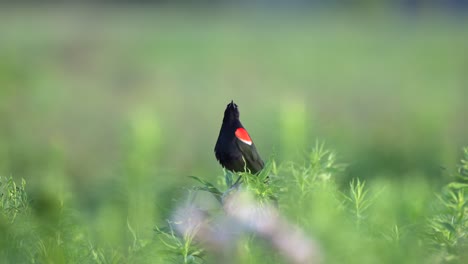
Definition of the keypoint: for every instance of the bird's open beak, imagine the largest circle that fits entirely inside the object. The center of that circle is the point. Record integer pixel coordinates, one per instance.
(232, 104)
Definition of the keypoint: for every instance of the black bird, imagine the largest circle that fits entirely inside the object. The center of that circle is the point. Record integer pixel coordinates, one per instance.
(235, 149)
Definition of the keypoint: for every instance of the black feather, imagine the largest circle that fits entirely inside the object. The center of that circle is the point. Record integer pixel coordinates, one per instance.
(232, 153)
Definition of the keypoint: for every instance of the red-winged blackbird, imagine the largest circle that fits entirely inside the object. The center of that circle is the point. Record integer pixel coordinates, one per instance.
(235, 149)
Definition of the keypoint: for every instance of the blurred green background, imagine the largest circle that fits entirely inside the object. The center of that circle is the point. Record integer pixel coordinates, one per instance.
(109, 108)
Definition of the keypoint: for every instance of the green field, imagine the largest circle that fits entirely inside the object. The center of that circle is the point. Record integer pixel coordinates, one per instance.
(104, 113)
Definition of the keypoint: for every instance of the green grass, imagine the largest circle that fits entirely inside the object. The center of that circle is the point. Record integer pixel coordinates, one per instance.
(105, 114)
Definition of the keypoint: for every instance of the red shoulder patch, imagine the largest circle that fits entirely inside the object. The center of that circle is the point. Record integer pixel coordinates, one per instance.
(243, 136)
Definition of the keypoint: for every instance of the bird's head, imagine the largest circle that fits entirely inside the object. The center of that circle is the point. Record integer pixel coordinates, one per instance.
(231, 113)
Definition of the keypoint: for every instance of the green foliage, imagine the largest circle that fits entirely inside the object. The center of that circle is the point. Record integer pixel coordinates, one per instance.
(264, 186)
(307, 195)
(318, 168)
(209, 187)
(448, 229)
(180, 248)
(13, 198)
(358, 199)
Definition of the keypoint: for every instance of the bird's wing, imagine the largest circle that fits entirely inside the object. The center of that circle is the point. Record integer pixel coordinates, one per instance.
(248, 150)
